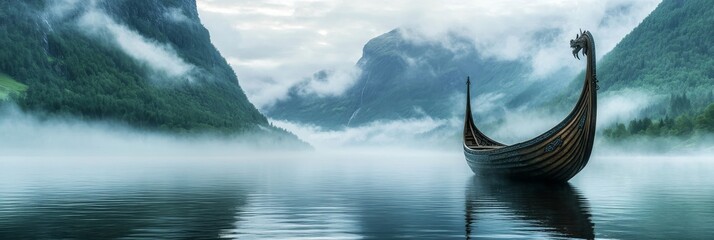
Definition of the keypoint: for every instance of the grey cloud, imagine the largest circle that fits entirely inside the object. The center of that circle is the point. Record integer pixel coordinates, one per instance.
(302, 37)
(329, 83)
(176, 15)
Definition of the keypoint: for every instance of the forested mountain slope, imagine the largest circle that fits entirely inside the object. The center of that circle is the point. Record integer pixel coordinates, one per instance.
(670, 54)
(149, 64)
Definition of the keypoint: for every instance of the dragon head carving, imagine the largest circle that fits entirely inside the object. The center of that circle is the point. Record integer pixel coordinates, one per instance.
(580, 42)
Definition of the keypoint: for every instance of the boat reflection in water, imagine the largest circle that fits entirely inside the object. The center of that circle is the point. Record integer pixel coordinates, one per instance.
(499, 208)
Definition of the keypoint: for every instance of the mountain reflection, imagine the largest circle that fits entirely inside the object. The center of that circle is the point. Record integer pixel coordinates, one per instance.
(555, 210)
(146, 211)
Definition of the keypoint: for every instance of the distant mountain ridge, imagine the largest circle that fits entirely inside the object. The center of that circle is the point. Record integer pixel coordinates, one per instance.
(403, 79)
(149, 64)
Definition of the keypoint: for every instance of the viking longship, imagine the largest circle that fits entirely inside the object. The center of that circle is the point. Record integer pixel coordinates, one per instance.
(556, 155)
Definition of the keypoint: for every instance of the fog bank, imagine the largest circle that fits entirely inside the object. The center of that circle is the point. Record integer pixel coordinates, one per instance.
(503, 125)
(35, 135)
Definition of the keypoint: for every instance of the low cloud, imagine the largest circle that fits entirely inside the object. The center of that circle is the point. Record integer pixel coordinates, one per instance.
(623, 105)
(488, 102)
(177, 15)
(414, 133)
(28, 135)
(279, 44)
(329, 82)
(697, 146)
(520, 126)
(523, 124)
(161, 58)
(508, 126)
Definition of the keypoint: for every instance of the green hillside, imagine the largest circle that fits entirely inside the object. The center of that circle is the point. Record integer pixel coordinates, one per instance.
(669, 51)
(668, 55)
(9, 86)
(71, 68)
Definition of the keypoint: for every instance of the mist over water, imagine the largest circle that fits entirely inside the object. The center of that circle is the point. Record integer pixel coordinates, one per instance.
(65, 178)
(27, 134)
(351, 195)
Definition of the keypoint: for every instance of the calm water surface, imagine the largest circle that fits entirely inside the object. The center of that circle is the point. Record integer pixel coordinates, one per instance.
(348, 196)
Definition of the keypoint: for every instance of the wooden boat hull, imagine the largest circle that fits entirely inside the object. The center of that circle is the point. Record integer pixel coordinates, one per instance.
(556, 155)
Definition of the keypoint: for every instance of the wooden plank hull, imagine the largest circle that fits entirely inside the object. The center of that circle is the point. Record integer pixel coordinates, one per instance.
(556, 155)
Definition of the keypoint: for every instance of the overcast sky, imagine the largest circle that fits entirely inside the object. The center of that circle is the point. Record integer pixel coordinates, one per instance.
(273, 44)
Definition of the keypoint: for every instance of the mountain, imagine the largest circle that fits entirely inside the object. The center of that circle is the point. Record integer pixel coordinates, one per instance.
(149, 64)
(405, 78)
(668, 55)
(669, 51)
